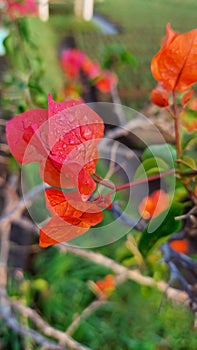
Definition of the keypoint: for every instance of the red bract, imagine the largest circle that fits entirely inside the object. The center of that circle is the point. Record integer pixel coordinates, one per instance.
(175, 64)
(21, 8)
(71, 217)
(63, 139)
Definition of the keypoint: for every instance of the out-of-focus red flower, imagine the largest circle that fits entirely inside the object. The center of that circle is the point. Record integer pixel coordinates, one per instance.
(71, 61)
(71, 217)
(160, 96)
(63, 139)
(180, 246)
(22, 8)
(153, 205)
(175, 64)
(106, 81)
(91, 68)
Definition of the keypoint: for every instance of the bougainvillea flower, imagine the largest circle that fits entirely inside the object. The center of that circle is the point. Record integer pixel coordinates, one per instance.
(175, 64)
(106, 81)
(106, 285)
(71, 217)
(71, 61)
(74, 61)
(153, 205)
(180, 246)
(160, 96)
(63, 139)
(22, 8)
(103, 288)
(91, 68)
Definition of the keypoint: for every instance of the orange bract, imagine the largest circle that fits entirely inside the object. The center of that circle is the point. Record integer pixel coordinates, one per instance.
(176, 62)
(71, 217)
(160, 96)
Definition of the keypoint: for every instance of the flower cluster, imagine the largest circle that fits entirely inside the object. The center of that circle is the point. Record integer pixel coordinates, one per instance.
(22, 8)
(63, 140)
(175, 65)
(74, 62)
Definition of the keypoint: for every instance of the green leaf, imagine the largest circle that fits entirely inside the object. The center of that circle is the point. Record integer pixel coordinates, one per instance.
(165, 151)
(7, 43)
(23, 29)
(188, 139)
(189, 162)
(169, 225)
(150, 167)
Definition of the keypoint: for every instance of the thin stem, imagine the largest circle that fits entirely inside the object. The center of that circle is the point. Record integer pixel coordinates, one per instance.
(96, 304)
(141, 181)
(98, 179)
(177, 126)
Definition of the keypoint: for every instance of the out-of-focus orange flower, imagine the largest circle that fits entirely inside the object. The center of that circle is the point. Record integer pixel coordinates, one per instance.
(153, 205)
(106, 81)
(180, 245)
(91, 68)
(175, 64)
(103, 288)
(107, 284)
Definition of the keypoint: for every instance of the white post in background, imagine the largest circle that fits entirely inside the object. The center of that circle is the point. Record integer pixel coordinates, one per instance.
(84, 9)
(88, 8)
(43, 9)
(78, 8)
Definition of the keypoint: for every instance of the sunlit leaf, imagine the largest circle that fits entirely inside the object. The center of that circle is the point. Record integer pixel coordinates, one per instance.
(175, 64)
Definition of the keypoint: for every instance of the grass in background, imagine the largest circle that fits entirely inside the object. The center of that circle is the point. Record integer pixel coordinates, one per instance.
(131, 320)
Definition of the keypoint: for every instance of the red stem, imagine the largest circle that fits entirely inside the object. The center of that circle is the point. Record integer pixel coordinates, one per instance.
(177, 126)
(141, 181)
